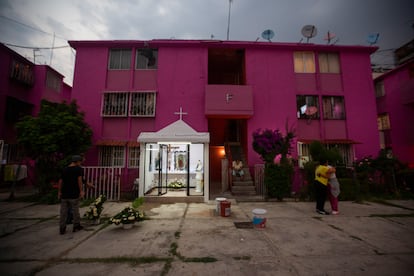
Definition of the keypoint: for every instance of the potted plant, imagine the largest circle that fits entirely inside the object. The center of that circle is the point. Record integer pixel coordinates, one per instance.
(95, 209)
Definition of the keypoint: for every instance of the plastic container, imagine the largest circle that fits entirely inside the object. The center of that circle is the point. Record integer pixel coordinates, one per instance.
(259, 219)
(218, 203)
(225, 208)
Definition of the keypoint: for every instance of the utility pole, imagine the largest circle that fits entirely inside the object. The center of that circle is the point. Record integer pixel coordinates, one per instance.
(228, 20)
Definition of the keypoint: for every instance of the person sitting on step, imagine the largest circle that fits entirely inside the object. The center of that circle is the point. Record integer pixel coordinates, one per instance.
(237, 166)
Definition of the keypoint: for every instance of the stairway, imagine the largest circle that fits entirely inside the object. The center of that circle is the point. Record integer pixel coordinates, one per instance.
(242, 189)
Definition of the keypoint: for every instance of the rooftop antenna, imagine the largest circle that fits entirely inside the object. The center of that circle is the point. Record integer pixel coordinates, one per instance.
(268, 34)
(228, 20)
(329, 36)
(373, 38)
(309, 31)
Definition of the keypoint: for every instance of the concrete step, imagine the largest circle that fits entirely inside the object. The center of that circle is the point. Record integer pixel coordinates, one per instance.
(243, 183)
(249, 198)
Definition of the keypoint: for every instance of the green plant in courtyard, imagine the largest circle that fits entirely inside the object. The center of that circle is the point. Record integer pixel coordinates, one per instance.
(51, 138)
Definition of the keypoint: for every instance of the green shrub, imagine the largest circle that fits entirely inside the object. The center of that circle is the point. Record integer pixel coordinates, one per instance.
(278, 179)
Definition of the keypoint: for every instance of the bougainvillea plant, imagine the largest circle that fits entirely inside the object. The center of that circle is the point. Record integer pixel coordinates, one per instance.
(269, 143)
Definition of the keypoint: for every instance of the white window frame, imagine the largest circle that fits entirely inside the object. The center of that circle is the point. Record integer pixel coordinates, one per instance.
(328, 106)
(142, 59)
(304, 62)
(309, 100)
(346, 151)
(329, 63)
(112, 156)
(142, 104)
(123, 63)
(114, 104)
(133, 156)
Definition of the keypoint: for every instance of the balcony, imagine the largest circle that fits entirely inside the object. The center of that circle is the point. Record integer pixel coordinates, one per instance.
(234, 101)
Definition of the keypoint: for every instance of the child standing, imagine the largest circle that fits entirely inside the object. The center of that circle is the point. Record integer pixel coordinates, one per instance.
(333, 191)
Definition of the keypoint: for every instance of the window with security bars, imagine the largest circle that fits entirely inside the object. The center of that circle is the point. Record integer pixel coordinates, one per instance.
(112, 156)
(133, 157)
(119, 59)
(333, 107)
(115, 104)
(329, 63)
(146, 59)
(142, 104)
(304, 62)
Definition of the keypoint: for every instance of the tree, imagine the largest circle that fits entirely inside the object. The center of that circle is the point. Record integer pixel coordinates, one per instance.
(50, 139)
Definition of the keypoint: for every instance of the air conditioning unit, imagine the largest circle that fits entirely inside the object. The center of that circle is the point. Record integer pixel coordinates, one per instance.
(303, 160)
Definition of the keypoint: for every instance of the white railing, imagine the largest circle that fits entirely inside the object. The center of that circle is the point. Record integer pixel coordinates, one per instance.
(259, 179)
(106, 181)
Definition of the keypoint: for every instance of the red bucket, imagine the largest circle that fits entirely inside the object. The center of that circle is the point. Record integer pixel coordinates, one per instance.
(225, 208)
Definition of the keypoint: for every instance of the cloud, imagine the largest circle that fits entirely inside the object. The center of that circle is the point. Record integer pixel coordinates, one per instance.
(33, 23)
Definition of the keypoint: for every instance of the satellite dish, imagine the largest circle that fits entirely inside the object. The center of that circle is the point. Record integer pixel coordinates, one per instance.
(268, 34)
(309, 31)
(372, 38)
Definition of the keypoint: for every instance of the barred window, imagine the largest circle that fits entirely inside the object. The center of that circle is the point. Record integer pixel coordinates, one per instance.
(304, 62)
(22, 72)
(333, 107)
(307, 106)
(115, 104)
(133, 157)
(142, 104)
(146, 59)
(112, 156)
(345, 150)
(120, 59)
(329, 63)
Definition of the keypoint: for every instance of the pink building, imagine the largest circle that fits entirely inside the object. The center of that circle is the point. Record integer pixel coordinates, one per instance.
(22, 87)
(159, 108)
(395, 106)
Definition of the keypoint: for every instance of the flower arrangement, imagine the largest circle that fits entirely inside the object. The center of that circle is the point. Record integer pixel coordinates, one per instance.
(129, 215)
(176, 185)
(95, 209)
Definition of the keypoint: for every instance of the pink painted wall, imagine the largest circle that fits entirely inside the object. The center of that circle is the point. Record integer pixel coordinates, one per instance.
(400, 111)
(29, 94)
(360, 105)
(182, 77)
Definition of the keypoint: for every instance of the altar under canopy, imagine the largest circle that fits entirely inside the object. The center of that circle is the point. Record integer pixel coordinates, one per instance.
(174, 158)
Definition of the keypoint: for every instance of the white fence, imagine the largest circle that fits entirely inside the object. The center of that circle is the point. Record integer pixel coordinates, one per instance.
(107, 181)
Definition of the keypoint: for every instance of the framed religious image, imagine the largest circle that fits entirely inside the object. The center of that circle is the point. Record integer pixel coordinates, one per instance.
(181, 161)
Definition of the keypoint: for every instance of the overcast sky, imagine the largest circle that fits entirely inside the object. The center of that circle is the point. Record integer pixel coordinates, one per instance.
(33, 23)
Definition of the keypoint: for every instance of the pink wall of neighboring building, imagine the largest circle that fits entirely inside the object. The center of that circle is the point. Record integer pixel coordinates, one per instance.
(25, 94)
(398, 103)
(181, 80)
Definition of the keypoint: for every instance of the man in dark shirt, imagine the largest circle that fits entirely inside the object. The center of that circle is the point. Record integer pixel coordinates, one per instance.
(70, 191)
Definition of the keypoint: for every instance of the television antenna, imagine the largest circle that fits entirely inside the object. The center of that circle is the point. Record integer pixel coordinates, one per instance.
(268, 34)
(373, 38)
(309, 31)
(329, 36)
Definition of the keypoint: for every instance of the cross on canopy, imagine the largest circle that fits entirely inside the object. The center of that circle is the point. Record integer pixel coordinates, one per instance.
(181, 113)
